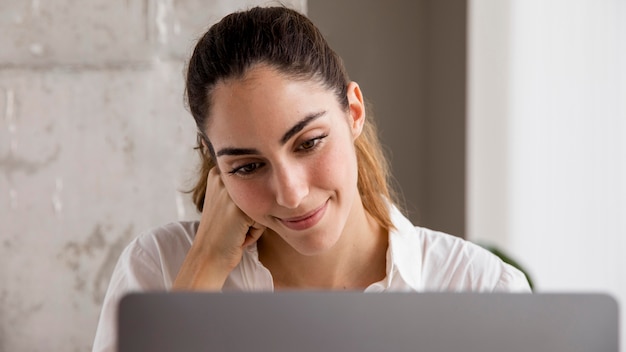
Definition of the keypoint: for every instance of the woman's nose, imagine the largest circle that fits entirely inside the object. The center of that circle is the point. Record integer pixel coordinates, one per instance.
(291, 186)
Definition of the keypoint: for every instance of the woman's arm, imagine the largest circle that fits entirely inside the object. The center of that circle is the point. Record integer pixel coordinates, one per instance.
(223, 233)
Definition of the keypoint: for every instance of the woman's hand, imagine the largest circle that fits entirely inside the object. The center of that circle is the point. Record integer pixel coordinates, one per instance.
(223, 234)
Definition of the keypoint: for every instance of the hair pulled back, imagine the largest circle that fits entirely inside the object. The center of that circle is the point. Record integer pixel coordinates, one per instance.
(289, 42)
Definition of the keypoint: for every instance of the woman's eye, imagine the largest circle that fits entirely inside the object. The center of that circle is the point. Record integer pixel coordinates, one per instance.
(246, 169)
(311, 143)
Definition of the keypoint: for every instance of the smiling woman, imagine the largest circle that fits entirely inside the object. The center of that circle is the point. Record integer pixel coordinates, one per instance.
(293, 184)
(291, 165)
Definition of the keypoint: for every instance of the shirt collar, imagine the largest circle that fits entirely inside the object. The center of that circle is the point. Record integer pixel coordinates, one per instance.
(404, 258)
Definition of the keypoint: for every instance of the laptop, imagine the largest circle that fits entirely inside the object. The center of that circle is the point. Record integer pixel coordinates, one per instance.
(356, 321)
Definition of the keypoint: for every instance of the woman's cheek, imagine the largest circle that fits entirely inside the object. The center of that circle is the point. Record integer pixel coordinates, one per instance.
(339, 164)
(247, 197)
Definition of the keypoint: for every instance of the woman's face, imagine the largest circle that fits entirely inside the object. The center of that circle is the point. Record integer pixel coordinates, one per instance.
(285, 151)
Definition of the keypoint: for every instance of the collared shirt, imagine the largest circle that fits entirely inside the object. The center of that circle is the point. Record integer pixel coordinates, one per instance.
(418, 259)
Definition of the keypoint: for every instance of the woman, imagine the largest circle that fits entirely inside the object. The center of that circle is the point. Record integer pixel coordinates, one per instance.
(293, 187)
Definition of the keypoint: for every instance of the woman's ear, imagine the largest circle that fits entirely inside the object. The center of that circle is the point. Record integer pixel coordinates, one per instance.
(356, 107)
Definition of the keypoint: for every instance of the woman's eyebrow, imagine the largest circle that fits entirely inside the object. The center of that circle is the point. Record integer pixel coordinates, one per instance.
(300, 125)
(237, 151)
(292, 131)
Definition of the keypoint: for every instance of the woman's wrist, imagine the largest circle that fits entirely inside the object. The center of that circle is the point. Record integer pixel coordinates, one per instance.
(200, 271)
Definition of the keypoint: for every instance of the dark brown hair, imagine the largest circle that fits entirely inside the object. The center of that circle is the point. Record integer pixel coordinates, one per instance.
(289, 42)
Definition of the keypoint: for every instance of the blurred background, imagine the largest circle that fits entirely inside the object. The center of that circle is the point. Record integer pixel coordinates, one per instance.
(505, 122)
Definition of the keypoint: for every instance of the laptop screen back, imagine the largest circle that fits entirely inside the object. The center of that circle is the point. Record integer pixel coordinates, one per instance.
(334, 321)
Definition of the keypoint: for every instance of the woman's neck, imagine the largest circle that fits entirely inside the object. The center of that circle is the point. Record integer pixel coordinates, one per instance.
(357, 259)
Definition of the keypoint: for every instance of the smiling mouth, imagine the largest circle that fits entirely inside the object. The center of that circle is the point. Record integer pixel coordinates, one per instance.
(307, 220)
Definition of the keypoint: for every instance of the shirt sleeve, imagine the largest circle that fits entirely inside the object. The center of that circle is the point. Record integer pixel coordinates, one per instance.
(452, 264)
(489, 273)
(512, 280)
(135, 270)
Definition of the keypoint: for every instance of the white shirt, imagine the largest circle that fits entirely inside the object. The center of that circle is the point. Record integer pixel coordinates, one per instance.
(418, 259)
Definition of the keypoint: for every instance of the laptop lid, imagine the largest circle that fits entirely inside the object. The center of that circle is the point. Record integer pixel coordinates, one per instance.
(351, 321)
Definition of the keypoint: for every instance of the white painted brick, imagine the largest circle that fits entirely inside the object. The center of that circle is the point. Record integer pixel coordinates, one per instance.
(100, 157)
(46, 33)
(107, 33)
(95, 145)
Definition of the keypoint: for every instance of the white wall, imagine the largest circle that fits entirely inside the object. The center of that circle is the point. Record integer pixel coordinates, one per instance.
(95, 145)
(547, 139)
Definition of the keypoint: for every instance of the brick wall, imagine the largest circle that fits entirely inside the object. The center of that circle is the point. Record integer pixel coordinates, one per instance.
(95, 147)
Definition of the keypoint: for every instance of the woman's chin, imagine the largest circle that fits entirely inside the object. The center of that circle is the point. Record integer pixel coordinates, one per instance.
(314, 245)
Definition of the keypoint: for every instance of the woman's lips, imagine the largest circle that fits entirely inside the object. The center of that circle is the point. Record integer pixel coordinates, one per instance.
(307, 220)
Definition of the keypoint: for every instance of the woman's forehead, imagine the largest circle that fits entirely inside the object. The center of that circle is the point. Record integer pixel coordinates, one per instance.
(265, 100)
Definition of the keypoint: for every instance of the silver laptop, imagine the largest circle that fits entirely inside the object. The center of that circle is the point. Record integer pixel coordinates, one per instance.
(338, 321)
